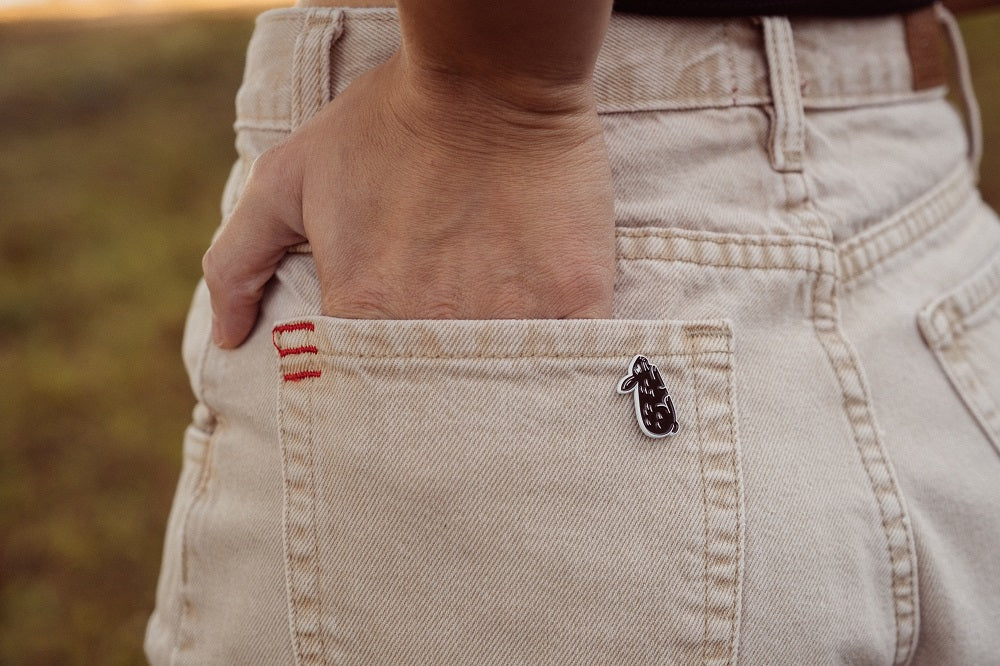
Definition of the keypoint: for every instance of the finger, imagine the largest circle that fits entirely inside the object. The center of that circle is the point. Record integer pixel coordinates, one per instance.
(267, 221)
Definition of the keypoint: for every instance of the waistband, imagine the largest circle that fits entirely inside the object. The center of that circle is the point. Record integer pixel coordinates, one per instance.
(308, 55)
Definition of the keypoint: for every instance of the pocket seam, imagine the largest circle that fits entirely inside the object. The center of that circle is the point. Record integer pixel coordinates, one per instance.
(722, 500)
(946, 316)
(301, 564)
(498, 357)
(943, 321)
(331, 338)
(198, 491)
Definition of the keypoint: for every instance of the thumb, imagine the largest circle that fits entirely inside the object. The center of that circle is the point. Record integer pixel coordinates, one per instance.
(266, 221)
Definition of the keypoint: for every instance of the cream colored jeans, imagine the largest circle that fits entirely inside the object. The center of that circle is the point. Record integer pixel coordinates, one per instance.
(803, 256)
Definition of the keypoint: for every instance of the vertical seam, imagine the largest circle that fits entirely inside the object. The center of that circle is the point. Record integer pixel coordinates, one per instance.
(299, 478)
(737, 466)
(962, 374)
(830, 336)
(315, 536)
(983, 401)
(812, 220)
(718, 458)
(730, 60)
(196, 495)
(285, 536)
(198, 492)
(690, 349)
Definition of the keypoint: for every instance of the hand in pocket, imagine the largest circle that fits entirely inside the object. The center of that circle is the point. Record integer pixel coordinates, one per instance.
(426, 201)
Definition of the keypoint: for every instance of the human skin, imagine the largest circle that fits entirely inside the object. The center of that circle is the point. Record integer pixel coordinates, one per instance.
(467, 177)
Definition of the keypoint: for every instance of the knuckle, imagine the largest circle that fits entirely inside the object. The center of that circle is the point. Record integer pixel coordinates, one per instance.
(267, 165)
(210, 269)
(224, 285)
(217, 277)
(208, 263)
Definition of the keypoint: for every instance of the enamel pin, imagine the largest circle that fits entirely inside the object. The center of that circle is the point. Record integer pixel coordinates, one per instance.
(653, 408)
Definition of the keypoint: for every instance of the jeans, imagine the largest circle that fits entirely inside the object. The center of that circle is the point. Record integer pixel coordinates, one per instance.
(802, 256)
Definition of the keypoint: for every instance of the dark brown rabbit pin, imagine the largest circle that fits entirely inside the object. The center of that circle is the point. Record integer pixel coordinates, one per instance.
(653, 408)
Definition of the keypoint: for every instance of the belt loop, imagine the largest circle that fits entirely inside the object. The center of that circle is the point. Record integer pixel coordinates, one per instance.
(786, 143)
(311, 62)
(973, 118)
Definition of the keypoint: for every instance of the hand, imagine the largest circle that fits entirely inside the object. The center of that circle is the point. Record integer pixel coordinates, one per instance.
(426, 196)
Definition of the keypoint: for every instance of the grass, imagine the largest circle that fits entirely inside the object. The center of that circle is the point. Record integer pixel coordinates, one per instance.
(115, 140)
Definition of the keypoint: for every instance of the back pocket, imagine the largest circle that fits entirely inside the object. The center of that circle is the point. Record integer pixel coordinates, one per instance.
(962, 328)
(481, 492)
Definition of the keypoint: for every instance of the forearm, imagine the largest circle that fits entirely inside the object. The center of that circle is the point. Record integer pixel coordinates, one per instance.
(515, 47)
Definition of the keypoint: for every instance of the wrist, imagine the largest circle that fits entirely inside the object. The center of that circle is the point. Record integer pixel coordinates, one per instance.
(496, 110)
(531, 55)
(502, 91)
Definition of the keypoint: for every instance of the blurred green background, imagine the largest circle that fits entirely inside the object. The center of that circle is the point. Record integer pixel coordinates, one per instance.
(115, 140)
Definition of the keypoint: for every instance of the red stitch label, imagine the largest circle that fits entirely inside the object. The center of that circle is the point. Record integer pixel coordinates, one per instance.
(289, 351)
(298, 376)
(285, 328)
(300, 326)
